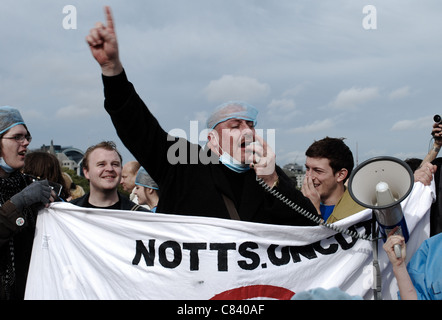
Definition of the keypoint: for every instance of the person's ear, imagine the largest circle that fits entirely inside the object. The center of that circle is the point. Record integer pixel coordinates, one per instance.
(341, 175)
(211, 137)
(86, 173)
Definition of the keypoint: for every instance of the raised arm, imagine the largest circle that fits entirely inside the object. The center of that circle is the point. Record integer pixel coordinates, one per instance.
(436, 132)
(103, 44)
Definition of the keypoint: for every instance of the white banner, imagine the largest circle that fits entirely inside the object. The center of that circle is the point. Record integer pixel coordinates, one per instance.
(82, 253)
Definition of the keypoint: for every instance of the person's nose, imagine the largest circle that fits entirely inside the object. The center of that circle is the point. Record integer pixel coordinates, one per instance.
(311, 174)
(109, 168)
(246, 131)
(25, 143)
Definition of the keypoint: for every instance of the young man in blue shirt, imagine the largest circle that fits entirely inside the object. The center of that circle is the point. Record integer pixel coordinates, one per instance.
(329, 164)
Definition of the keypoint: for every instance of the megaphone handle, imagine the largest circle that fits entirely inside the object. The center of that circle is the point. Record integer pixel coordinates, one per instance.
(397, 250)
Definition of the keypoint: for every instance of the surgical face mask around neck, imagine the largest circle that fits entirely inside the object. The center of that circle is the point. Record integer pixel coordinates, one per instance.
(6, 167)
(231, 163)
(227, 160)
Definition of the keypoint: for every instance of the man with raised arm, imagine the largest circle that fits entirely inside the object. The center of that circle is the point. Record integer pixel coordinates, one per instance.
(222, 182)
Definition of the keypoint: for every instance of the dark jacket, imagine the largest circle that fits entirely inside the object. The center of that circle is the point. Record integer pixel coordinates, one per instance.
(196, 186)
(18, 226)
(125, 203)
(10, 217)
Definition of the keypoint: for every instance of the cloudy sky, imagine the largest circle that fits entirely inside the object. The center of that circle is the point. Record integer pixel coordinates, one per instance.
(312, 68)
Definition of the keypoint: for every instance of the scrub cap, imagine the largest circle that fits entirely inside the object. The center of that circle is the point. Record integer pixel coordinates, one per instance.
(324, 294)
(9, 117)
(232, 110)
(145, 180)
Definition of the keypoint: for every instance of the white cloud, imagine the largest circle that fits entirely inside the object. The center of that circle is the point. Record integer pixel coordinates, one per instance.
(350, 99)
(201, 116)
(294, 91)
(285, 105)
(318, 125)
(399, 93)
(282, 110)
(230, 87)
(74, 112)
(420, 123)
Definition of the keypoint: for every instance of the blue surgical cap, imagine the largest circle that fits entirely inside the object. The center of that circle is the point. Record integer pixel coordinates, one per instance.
(324, 294)
(232, 110)
(145, 180)
(9, 117)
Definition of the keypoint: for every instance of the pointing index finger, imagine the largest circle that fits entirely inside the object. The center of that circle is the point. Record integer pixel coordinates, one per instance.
(109, 19)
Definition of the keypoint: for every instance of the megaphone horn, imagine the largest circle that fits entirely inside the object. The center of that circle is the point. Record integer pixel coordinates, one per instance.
(381, 184)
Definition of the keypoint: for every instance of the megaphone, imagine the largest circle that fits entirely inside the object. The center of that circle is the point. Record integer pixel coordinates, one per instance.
(381, 184)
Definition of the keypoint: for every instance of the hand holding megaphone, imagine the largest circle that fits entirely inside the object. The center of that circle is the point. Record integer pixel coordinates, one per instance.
(390, 246)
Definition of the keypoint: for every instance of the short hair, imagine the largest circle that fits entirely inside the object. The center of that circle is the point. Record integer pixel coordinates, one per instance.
(107, 145)
(335, 150)
(133, 167)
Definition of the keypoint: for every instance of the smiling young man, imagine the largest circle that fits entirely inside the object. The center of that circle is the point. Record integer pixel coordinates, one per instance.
(102, 166)
(221, 180)
(329, 164)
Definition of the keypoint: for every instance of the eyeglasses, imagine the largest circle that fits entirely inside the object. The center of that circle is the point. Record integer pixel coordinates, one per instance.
(20, 138)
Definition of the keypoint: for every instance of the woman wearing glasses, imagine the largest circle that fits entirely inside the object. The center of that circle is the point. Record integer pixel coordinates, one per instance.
(19, 203)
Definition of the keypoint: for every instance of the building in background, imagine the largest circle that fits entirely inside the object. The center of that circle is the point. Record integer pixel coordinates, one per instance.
(69, 157)
(295, 172)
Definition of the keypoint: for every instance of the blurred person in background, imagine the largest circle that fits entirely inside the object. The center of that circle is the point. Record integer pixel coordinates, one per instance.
(147, 190)
(128, 174)
(43, 165)
(76, 190)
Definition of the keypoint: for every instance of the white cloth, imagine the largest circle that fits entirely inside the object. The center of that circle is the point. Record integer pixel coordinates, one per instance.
(82, 253)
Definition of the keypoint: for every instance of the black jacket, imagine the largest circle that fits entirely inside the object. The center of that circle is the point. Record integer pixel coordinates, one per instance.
(125, 203)
(195, 185)
(16, 254)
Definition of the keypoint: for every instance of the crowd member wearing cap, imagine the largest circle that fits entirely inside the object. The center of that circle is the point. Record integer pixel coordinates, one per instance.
(221, 181)
(19, 203)
(146, 190)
